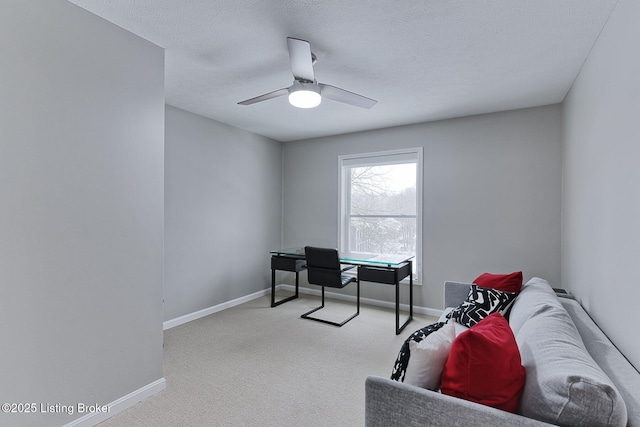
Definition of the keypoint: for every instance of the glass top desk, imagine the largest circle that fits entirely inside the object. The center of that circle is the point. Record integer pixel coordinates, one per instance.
(379, 268)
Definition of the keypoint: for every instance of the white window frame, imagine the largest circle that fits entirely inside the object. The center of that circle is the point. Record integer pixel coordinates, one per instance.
(379, 158)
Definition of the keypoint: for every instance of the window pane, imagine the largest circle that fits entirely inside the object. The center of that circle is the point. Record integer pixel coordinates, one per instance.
(383, 235)
(379, 196)
(383, 190)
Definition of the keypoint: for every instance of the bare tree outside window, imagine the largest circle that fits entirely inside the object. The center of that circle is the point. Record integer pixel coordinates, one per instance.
(382, 216)
(380, 204)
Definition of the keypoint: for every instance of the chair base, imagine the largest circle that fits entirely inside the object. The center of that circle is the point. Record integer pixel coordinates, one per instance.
(306, 315)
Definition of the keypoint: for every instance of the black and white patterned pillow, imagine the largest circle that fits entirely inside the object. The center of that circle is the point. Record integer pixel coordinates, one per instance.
(402, 361)
(480, 303)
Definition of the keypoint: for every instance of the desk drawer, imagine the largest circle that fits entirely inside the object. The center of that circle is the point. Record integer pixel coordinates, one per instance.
(287, 264)
(382, 274)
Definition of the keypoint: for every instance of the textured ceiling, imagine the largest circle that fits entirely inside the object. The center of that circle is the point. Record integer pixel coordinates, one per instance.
(422, 60)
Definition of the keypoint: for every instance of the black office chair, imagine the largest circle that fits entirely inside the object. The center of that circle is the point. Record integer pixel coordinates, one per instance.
(324, 269)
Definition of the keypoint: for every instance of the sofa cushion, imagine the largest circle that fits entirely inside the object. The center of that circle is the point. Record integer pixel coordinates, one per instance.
(503, 282)
(608, 357)
(457, 326)
(536, 296)
(402, 361)
(428, 358)
(564, 385)
(484, 365)
(480, 303)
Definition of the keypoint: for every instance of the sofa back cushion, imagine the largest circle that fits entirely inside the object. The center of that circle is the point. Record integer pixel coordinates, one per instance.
(535, 297)
(564, 385)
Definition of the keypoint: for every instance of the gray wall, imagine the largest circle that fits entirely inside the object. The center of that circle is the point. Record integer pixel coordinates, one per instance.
(491, 202)
(601, 235)
(223, 205)
(81, 209)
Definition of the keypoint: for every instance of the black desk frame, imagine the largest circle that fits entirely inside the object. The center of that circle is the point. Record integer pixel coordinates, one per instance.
(390, 274)
(285, 263)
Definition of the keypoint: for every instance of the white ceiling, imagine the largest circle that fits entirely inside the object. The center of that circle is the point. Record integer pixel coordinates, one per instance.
(422, 60)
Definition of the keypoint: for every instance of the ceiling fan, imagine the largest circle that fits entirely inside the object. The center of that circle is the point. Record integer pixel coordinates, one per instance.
(306, 92)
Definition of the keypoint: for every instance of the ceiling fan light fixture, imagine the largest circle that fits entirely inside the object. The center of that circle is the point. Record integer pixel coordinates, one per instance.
(305, 95)
(306, 92)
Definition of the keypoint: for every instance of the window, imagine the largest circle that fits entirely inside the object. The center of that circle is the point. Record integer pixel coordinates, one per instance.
(381, 203)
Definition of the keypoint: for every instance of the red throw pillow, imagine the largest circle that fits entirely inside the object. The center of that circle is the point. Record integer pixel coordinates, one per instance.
(484, 365)
(502, 282)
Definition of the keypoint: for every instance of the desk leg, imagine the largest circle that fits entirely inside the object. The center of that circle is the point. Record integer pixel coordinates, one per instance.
(275, 303)
(411, 292)
(410, 317)
(398, 330)
(273, 287)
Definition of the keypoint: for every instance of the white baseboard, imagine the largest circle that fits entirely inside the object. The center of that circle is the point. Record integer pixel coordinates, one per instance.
(368, 301)
(120, 404)
(156, 387)
(214, 309)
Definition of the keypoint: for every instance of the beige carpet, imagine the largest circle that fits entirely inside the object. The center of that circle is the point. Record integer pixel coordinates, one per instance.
(253, 365)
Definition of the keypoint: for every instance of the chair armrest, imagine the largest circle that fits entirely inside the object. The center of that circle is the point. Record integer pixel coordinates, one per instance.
(390, 403)
(348, 267)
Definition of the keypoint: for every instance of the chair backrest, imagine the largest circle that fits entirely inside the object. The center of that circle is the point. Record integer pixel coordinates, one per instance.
(323, 266)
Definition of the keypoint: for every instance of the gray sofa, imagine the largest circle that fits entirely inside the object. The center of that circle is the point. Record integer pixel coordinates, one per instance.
(553, 392)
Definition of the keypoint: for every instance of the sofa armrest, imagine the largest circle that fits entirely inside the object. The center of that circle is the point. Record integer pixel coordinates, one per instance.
(455, 293)
(391, 403)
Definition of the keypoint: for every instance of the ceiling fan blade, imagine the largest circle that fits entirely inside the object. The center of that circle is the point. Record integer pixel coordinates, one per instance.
(347, 97)
(301, 59)
(266, 96)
